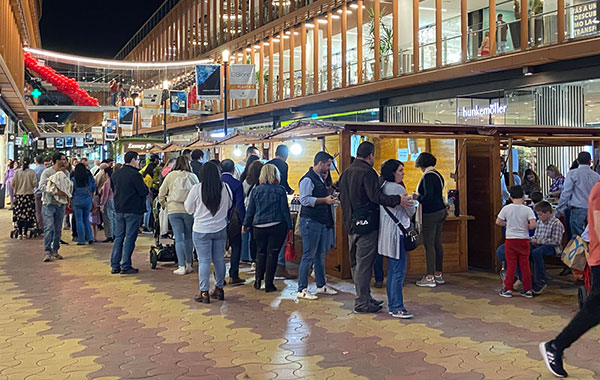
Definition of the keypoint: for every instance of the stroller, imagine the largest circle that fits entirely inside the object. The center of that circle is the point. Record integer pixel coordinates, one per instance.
(163, 249)
(583, 291)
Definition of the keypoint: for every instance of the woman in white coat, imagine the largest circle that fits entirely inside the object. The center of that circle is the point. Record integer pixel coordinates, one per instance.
(391, 243)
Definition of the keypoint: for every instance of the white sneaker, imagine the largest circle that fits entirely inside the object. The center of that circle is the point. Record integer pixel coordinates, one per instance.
(180, 271)
(312, 274)
(188, 268)
(426, 282)
(306, 295)
(326, 290)
(252, 268)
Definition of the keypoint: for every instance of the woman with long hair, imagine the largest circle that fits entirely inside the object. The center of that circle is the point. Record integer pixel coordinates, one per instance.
(250, 182)
(24, 184)
(84, 188)
(268, 214)
(9, 174)
(209, 202)
(558, 181)
(172, 194)
(530, 182)
(107, 206)
(249, 162)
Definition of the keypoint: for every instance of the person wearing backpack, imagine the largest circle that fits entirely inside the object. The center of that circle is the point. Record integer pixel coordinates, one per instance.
(172, 194)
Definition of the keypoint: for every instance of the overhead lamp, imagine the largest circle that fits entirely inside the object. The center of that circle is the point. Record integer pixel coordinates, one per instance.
(237, 152)
(286, 37)
(137, 101)
(527, 71)
(166, 84)
(257, 46)
(296, 149)
(248, 49)
(339, 11)
(225, 55)
(296, 33)
(322, 21)
(275, 39)
(288, 32)
(354, 6)
(335, 17)
(266, 43)
(310, 25)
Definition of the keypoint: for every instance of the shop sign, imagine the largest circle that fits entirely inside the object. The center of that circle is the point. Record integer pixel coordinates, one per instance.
(151, 98)
(111, 130)
(69, 142)
(208, 82)
(242, 82)
(492, 109)
(97, 133)
(585, 19)
(126, 117)
(178, 103)
(138, 146)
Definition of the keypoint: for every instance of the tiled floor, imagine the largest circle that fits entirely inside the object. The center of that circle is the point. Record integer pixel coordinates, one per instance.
(72, 319)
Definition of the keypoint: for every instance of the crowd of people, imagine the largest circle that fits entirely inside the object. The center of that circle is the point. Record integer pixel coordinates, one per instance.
(220, 206)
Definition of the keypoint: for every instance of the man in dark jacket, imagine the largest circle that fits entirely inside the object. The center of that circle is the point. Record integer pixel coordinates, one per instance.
(234, 232)
(361, 195)
(130, 204)
(196, 163)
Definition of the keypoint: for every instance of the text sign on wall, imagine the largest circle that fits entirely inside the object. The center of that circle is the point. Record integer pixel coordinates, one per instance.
(476, 111)
(585, 19)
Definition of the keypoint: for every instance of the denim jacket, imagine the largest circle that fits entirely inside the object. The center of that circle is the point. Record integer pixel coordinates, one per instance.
(82, 196)
(268, 204)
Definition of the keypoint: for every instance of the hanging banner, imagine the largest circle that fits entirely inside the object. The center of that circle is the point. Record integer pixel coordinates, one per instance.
(208, 82)
(146, 117)
(126, 117)
(242, 84)
(60, 143)
(68, 142)
(111, 130)
(149, 112)
(151, 98)
(40, 144)
(178, 103)
(79, 142)
(89, 138)
(97, 133)
(50, 142)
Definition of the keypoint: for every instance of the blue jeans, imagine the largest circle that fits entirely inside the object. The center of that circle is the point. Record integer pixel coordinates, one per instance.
(539, 270)
(53, 220)
(210, 247)
(378, 268)
(245, 255)
(82, 216)
(148, 213)
(577, 220)
(315, 245)
(109, 212)
(395, 280)
(182, 232)
(126, 232)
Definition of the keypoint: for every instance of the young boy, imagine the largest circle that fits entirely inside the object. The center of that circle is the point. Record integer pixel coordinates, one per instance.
(518, 219)
(546, 241)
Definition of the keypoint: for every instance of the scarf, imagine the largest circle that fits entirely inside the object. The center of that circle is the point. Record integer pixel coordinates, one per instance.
(428, 170)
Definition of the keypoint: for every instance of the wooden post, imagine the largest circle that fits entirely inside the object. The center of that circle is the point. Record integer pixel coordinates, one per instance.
(464, 37)
(493, 28)
(416, 49)
(510, 163)
(376, 22)
(237, 20)
(303, 64)
(201, 21)
(341, 233)
(344, 45)
(252, 61)
(329, 43)
(438, 33)
(428, 145)
(316, 57)
(359, 45)
(261, 74)
(560, 20)
(271, 74)
(244, 17)
(524, 24)
(395, 39)
(281, 81)
(252, 17)
(292, 45)
(216, 37)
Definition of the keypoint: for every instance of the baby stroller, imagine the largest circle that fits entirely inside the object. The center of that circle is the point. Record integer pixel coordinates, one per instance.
(163, 249)
(583, 291)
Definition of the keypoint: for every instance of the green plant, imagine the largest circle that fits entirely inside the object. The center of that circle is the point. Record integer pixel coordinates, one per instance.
(386, 35)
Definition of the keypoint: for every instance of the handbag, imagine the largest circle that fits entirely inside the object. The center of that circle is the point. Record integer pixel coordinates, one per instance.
(290, 251)
(234, 221)
(574, 254)
(364, 221)
(410, 235)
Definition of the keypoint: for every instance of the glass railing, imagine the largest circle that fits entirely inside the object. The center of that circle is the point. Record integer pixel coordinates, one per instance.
(386, 66)
(543, 29)
(508, 37)
(427, 56)
(451, 50)
(581, 20)
(477, 47)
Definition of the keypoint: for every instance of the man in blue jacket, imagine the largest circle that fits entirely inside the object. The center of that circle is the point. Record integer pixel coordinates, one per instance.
(130, 204)
(234, 230)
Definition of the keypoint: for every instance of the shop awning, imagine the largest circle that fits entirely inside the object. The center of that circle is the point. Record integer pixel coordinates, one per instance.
(12, 95)
(241, 137)
(170, 147)
(305, 129)
(201, 142)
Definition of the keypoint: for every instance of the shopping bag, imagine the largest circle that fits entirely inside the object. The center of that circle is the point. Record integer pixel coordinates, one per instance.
(290, 251)
(163, 221)
(574, 254)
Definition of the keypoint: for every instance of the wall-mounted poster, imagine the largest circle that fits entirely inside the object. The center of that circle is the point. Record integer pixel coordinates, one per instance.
(79, 142)
(68, 142)
(89, 137)
(126, 117)
(60, 143)
(178, 103)
(50, 142)
(111, 130)
(208, 82)
(151, 98)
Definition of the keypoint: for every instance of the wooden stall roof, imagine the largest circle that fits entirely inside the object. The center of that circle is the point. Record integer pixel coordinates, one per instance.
(170, 147)
(241, 137)
(202, 142)
(304, 129)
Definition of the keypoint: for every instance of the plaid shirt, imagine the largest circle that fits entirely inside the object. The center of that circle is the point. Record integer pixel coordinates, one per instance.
(557, 184)
(549, 233)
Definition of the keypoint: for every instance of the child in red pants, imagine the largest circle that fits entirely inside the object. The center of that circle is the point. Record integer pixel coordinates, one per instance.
(518, 219)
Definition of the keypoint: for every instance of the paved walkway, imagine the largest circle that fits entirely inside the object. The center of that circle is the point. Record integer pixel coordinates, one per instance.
(72, 319)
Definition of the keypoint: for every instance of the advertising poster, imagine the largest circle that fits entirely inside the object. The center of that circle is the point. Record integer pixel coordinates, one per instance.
(79, 142)
(60, 143)
(126, 117)
(146, 117)
(208, 82)
(242, 84)
(178, 103)
(111, 130)
(68, 142)
(50, 142)
(151, 98)
(585, 19)
(40, 144)
(89, 136)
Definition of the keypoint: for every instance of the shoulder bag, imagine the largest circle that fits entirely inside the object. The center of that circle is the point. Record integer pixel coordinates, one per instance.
(234, 222)
(410, 235)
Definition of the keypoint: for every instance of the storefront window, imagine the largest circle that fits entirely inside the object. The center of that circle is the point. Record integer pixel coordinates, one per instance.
(368, 41)
(427, 52)
(581, 18)
(297, 52)
(336, 50)
(451, 41)
(386, 40)
(310, 46)
(266, 71)
(542, 22)
(478, 40)
(322, 53)
(352, 44)
(405, 35)
(276, 62)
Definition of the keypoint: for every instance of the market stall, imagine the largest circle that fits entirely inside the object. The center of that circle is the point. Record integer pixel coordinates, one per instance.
(234, 145)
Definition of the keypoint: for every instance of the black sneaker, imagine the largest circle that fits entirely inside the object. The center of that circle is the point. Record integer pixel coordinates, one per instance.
(378, 284)
(553, 359)
(526, 294)
(115, 270)
(369, 309)
(131, 270)
(375, 302)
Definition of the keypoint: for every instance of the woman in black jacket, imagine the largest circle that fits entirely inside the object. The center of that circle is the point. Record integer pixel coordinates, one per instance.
(434, 214)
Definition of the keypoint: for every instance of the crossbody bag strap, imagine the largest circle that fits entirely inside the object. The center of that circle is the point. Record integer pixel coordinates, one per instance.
(396, 221)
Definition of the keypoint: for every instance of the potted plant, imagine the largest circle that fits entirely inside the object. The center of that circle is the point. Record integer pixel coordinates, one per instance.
(386, 38)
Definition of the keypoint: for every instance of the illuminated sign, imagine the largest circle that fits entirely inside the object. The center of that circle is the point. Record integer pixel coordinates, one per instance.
(492, 109)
